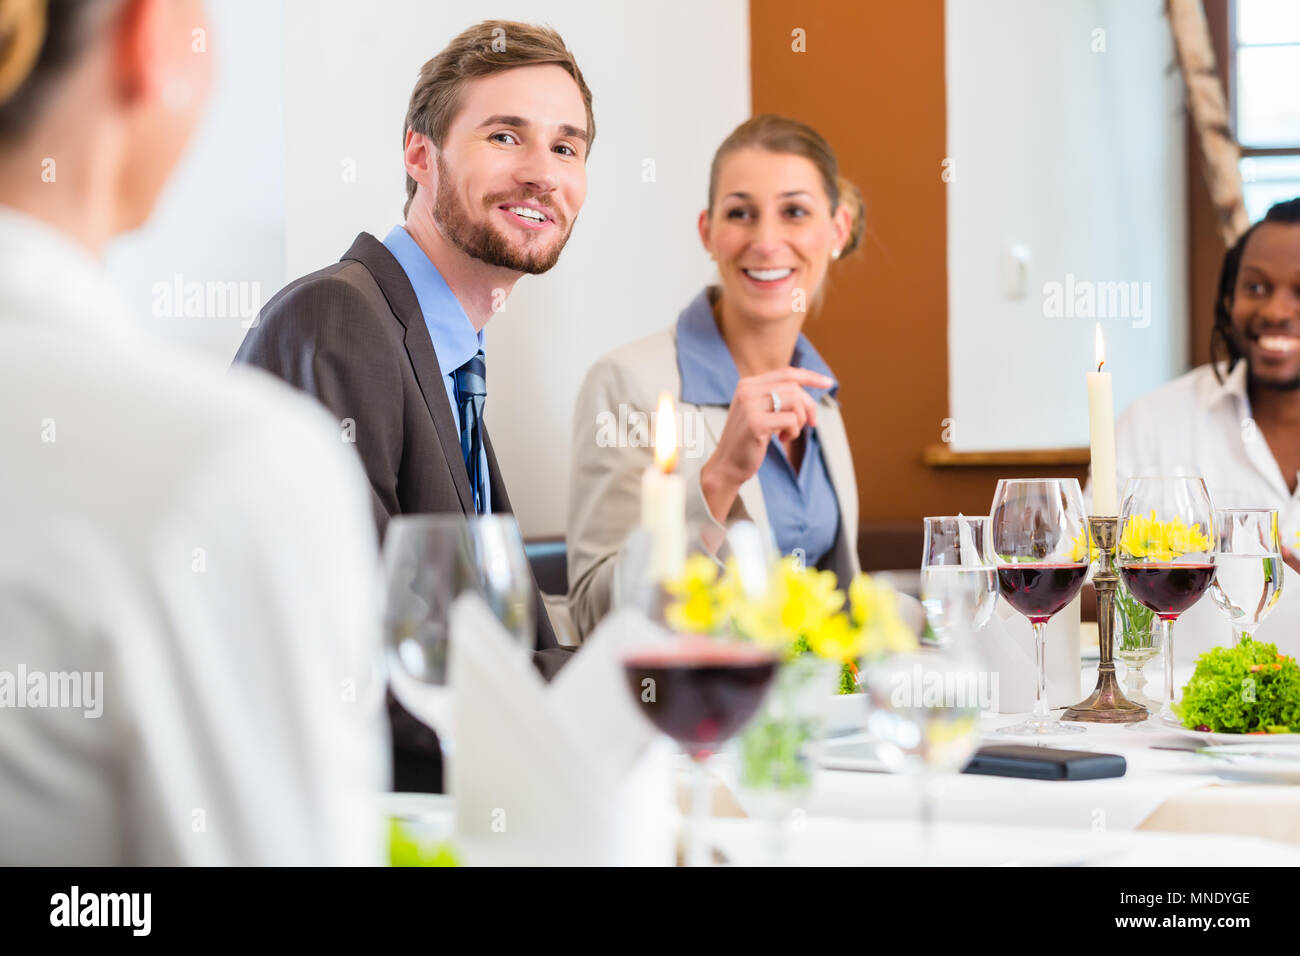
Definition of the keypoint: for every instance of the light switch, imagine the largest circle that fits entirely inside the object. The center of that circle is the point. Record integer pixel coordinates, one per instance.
(1015, 270)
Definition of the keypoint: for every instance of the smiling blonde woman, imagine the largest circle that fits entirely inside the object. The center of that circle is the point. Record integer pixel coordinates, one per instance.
(772, 446)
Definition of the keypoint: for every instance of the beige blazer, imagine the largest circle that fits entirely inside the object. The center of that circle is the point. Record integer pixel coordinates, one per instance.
(612, 447)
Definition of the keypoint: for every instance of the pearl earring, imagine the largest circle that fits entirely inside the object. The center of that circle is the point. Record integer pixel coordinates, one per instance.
(835, 254)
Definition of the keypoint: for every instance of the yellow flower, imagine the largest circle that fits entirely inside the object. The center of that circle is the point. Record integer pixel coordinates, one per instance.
(1181, 539)
(798, 607)
(1077, 547)
(809, 596)
(1160, 541)
(836, 639)
(796, 601)
(698, 608)
(874, 608)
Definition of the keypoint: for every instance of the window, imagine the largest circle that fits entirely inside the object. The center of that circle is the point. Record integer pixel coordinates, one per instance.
(1264, 39)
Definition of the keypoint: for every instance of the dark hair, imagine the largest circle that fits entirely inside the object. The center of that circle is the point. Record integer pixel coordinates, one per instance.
(39, 41)
(1221, 336)
(484, 49)
(780, 134)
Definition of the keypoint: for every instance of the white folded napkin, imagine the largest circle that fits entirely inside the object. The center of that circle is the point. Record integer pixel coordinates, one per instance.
(565, 774)
(1007, 642)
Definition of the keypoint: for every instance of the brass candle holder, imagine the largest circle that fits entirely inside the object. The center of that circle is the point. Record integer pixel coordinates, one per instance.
(1107, 703)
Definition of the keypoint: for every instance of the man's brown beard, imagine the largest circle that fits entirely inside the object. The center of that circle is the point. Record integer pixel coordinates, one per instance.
(479, 240)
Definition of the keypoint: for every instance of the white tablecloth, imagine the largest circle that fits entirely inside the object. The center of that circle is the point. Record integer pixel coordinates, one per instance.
(831, 842)
(1120, 803)
(1170, 808)
(1163, 789)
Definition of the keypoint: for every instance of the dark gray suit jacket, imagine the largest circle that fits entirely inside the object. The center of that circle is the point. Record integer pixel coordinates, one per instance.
(353, 336)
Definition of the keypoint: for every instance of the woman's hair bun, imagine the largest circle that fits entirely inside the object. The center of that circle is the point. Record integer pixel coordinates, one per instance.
(851, 199)
(22, 34)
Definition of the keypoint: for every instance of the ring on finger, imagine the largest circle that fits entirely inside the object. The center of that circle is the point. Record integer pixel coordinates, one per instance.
(776, 401)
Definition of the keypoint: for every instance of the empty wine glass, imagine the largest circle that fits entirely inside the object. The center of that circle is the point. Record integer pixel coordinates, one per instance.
(924, 712)
(1038, 537)
(1248, 567)
(1166, 554)
(959, 584)
(429, 561)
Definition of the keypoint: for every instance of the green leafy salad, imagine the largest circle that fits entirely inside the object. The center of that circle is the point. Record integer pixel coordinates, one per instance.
(406, 849)
(1247, 689)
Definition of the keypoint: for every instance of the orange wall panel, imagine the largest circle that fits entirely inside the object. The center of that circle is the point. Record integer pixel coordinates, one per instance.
(871, 80)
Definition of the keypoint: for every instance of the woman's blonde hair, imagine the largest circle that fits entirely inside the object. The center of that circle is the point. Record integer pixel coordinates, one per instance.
(780, 134)
(39, 40)
(22, 33)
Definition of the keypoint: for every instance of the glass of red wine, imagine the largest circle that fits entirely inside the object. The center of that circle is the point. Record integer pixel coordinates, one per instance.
(700, 691)
(1038, 539)
(1166, 554)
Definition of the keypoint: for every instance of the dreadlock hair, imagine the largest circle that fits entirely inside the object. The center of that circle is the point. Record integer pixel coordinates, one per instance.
(1222, 342)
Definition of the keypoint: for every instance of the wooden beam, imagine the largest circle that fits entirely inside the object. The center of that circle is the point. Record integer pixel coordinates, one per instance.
(1209, 111)
(941, 456)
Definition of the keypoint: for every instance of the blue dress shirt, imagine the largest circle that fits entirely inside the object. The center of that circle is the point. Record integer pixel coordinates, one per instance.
(801, 506)
(455, 340)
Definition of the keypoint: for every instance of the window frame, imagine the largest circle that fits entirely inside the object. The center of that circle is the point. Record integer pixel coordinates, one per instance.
(1230, 81)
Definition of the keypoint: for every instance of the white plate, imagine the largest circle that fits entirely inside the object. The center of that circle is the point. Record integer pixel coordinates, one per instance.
(1265, 764)
(855, 753)
(1211, 739)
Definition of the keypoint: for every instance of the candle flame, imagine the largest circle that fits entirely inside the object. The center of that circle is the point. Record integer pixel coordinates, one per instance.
(665, 435)
(1101, 349)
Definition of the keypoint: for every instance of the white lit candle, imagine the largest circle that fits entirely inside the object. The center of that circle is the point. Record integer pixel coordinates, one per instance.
(1101, 426)
(663, 499)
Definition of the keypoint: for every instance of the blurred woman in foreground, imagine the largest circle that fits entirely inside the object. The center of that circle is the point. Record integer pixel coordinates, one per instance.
(186, 610)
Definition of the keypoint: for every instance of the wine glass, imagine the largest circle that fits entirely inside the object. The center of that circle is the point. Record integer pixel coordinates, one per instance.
(429, 561)
(1248, 567)
(636, 586)
(923, 709)
(701, 690)
(1039, 540)
(1166, 554)
(959, 584)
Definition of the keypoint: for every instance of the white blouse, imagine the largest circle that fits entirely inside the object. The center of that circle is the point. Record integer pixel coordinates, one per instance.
(186, 571)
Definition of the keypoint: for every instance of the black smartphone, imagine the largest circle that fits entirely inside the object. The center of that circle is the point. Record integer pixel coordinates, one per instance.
(1045, 763)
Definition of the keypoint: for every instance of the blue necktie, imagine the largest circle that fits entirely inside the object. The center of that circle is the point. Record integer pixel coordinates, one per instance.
(471, 393)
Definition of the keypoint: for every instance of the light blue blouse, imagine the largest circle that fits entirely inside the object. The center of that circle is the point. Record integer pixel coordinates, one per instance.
(801, 506)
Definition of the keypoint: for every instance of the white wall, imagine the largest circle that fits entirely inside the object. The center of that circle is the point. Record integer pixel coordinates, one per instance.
(301, 151)
(221, 219)
(1078, 156)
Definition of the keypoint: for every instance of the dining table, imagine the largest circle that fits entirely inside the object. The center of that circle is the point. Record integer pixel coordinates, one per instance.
(1171, 788)
(1177, 803)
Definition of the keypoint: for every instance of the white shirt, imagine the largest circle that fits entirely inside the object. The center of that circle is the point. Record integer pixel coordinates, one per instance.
(207, 547)
(1196, 426)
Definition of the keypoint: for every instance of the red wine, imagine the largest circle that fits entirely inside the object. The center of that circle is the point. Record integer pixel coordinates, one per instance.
(1040, 590)
(1168, 589)
(702, 694)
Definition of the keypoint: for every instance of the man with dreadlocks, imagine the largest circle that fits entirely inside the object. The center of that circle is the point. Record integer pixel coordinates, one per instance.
(1236, 420)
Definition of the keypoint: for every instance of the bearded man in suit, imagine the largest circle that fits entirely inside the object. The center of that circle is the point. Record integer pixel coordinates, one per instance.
(390, 338)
